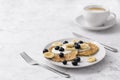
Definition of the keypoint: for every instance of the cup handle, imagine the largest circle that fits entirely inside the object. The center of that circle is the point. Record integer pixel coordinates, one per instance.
(114, 16)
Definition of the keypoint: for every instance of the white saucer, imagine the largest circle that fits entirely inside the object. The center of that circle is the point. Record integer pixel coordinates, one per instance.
(108, 24)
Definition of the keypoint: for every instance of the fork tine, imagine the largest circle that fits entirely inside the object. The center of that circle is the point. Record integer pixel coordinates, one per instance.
(26, 57)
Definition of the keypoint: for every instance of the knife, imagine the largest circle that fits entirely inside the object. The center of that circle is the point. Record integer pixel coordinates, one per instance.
(106, 46)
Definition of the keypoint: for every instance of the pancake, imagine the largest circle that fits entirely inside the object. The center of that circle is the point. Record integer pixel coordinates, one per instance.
(68, 57)
(93, 49)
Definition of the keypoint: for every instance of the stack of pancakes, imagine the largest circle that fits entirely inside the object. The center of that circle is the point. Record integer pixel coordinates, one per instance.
(72, 55)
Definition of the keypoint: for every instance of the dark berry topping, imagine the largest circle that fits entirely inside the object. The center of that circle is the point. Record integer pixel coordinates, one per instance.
(45, 50)
(77, 59)
(61, 49)
(64, 62)
(80, 42)
(75, 63)
(77, 46)
(65, 42)
(61, 55)
(76, 43)
(57, 48)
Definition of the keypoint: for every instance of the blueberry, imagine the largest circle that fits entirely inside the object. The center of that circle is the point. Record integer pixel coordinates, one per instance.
(64, 62)
(77, 59)
(45, 50)
(57, 48)
(80, 42)
(77, 46)
(61, 49)
(65, 42)
(76, 43)
(75, 63)
(61, 55)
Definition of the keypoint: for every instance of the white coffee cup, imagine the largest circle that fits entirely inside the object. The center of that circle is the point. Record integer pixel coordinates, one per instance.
(95, 15)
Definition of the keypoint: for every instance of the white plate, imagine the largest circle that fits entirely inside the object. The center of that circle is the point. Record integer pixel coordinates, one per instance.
(108, 24)
(99, 56)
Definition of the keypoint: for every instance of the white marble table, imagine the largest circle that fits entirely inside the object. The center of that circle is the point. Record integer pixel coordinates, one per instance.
(28, 25)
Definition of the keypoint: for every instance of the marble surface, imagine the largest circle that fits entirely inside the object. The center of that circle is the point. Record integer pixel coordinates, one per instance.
(28, 25)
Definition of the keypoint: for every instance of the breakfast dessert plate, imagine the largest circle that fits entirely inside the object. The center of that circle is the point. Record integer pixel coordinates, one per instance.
(74, 53)
(108, 24)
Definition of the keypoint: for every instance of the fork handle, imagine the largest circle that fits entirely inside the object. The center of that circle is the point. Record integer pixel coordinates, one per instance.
(55, 71)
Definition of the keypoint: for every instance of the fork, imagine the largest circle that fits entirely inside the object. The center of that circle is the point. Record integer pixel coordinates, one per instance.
(30, 61)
